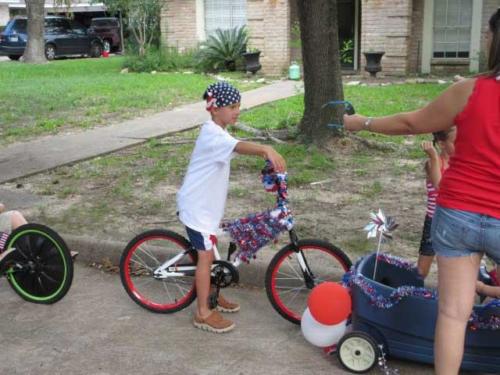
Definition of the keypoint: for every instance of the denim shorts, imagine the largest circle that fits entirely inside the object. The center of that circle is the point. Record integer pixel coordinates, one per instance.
(457, 233)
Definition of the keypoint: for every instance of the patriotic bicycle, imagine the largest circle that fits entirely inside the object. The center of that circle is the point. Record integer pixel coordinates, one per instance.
(157, 267)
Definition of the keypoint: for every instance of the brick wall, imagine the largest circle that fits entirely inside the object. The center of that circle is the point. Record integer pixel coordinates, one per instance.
(269, 24)
(386, 25)
(178, 24)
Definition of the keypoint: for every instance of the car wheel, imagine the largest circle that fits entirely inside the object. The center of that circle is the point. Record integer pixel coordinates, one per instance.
(50, 52)
(14, 57)
(106, 46)
(95, 50)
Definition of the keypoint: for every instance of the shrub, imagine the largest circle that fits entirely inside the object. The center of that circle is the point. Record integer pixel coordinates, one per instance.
(222, 50)
(164, 59)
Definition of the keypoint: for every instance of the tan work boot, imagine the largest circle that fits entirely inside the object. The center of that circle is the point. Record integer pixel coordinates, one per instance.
(223, 305)
(215, 322)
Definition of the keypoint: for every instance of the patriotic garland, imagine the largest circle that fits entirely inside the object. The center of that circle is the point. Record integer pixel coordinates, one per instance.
(476, 321)
(253, 232)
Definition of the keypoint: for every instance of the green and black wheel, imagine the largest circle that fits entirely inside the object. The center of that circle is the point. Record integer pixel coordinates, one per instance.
(38, 264)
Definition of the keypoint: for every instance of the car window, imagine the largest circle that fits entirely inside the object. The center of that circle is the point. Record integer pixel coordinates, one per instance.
(56, 25)
(104, 23)
(78, 28)
(20, 26)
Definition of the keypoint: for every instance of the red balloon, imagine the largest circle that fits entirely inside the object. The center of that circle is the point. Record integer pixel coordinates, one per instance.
(329, 303)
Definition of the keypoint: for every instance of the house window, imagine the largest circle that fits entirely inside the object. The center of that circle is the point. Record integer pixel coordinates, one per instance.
(224, 14)
(452, 28)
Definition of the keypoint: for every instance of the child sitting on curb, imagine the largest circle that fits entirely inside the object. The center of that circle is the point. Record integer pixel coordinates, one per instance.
(202, 198)
(9, 220)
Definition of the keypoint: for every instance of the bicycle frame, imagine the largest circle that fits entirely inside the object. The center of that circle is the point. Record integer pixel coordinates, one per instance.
(169, 269)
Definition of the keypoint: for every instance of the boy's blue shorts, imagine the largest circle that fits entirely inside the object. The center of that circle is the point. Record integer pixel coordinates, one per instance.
(201, 241)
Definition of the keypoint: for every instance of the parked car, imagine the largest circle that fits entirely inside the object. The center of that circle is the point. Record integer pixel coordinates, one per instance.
(108, 28)
(63, 37)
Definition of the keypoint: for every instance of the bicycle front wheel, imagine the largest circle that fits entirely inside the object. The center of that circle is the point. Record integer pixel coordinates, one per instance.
(285, 284)
(40, 269)
(145, 253)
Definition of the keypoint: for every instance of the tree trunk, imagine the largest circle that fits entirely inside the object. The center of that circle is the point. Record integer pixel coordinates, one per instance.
(322, 74)
(122, 40)
(35, 48)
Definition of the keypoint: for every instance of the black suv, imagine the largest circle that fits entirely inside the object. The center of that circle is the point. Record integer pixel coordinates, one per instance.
(63, 37)
(108, 28)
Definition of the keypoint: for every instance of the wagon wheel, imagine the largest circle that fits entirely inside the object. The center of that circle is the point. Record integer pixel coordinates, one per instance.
(358, 352)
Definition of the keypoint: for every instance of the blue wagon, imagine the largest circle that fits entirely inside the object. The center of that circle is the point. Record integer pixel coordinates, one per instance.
(393, 312)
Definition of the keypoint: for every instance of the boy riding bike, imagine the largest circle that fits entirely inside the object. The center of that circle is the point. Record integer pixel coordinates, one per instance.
(201, 199)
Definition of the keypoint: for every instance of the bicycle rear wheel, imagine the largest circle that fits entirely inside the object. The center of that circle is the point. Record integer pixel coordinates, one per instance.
(40, 268)
(285, 284)
(142, 256)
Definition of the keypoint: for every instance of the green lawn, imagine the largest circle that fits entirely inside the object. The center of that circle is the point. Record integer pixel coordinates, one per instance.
(41, 99)
(367, 100)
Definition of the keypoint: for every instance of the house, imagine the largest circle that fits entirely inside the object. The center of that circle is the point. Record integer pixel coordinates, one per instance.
(417, 36)
(83, 10)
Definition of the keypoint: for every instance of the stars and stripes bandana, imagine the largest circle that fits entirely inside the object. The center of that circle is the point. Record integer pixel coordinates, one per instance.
(221, 94)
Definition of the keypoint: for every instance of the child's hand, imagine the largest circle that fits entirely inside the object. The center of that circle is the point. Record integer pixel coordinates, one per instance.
(2, 207)
(429, 149)
(479, 287)
(276, 160)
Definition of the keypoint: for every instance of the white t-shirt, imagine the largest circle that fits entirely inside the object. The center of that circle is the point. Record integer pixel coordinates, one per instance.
(202, 198)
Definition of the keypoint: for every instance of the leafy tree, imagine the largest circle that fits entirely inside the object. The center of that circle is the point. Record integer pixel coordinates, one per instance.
(143, 18)
(322, 73)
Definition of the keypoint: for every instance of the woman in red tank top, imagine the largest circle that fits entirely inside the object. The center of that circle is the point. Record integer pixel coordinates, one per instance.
(467, 219)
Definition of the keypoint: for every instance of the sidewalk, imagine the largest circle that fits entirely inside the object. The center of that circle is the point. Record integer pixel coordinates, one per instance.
(27, 158)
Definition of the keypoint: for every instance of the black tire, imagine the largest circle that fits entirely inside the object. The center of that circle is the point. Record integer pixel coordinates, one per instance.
(146, 252)
(14, 57)
(50, 52)
(358, 352)
(326, 262)
(95, 50)
(40, 270)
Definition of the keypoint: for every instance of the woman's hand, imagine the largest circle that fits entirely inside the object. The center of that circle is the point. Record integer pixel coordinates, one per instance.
(354, 123)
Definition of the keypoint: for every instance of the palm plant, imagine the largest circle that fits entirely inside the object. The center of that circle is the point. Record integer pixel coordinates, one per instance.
(223, 49)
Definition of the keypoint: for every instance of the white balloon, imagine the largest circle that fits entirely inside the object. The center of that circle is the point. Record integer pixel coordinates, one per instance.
(319, 334)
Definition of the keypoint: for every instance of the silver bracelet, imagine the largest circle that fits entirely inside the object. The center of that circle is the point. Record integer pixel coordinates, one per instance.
(368, 122)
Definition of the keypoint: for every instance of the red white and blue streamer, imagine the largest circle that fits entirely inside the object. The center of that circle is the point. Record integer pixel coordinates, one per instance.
(253, 232)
